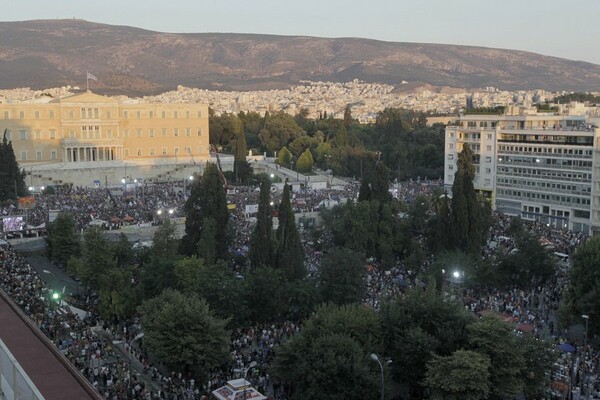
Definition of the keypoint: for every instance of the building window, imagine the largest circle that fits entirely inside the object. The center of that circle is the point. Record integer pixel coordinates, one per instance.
(138, 114)
(38, 134)
(488, 147)
(83, 113)
(109, 134)
(188, 150)
(151, 132)
(150, 114)
(175, 114)
(108, 114)
(451, 167)
(139, 132)
(139, 152)
(22, 114)
(53, 155)
(23, 134)
(52, 134)
(199, 131)
(23, 156)
(188, 132)
(84, 132)
(175, 132)
(51, 116)
(38, 155)
(96, 113)
(71, 134)
(164, 131)
(71, 114)
(164, 114)
(199, 114)
(36, 115)
(164, 151)
(488, 170)
(6, 115)
(126, 133)
(151, 151)
(451, 145)
(176, 150)
(125, 114)
(126, 152)
(187, 114)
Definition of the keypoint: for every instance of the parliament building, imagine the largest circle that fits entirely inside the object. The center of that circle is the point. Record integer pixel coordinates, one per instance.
(86, 138)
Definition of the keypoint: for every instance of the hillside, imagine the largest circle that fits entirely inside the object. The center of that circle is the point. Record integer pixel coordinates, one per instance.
(48, 53)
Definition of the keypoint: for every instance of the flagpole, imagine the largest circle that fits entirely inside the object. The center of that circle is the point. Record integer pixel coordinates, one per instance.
(87, 81)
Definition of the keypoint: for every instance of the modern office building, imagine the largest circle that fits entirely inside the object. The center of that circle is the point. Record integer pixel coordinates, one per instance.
(87, 131)
(542, 166)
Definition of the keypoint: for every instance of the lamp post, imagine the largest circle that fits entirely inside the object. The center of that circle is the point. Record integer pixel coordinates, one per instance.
(388, 362)
(584, 371)
(252, 365)
(137, 337)
(190, 178)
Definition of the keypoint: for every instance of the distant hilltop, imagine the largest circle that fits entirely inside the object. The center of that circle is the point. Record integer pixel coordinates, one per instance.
(133, 61)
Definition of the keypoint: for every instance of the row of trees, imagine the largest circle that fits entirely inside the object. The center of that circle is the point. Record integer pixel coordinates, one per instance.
(399, 137)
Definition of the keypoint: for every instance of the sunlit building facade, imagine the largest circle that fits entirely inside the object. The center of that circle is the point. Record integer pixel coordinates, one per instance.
(541, 166)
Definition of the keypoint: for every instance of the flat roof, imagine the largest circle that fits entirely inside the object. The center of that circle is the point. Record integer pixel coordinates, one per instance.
(45, 368)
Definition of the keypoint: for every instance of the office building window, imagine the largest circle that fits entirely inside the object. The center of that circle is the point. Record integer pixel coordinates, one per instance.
(199, 114)
(176, 150)
(23, 134)
(188, 150)
(21, 114)
(488, 147)
(164, 151)
(53, 155)
(164, 131)
(51, 114)
(38, 155)
(151, 152)
(96, 113)
(52, 134)
(126, 133)
(199, 131)
(38, 134)
(139, 132)
(6, 115)
(23, 156)
(36, 115)
(71, 114)
(150, 114)
(151, 132)
(138, 114)
(83, 112)
(139, 152)
(109, 133)
(175, 114)
(187, 114)
(188, 132)
(125, 114)
(84, 132)
(175, 132)
(164, 114)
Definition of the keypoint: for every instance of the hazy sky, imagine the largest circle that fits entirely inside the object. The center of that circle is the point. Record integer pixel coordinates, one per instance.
(565, 28)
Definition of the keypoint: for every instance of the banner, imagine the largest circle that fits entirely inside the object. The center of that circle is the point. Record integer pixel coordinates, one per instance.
(26, 203)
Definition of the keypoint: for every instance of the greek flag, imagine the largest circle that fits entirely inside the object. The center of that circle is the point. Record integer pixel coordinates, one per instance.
(90, 76)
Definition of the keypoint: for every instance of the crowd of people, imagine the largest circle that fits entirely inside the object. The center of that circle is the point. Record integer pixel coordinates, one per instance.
(251, 350)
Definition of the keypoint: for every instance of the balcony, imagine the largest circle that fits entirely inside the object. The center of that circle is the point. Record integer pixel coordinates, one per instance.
(91, 142)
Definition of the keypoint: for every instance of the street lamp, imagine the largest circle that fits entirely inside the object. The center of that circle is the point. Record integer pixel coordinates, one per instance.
(252, 365)
(584, 372)
(137, 337)
(388, 362)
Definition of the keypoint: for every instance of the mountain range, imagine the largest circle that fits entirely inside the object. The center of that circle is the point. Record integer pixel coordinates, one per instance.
(127, 60)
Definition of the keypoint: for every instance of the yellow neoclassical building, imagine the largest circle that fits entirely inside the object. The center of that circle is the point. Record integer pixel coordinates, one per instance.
(88, 131)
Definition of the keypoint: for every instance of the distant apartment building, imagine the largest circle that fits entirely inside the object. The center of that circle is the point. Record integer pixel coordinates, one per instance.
(542, 166)
(90, 131)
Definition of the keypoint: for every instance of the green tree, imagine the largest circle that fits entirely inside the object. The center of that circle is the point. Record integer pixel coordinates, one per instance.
(262, 249)
(97, 256)
(284, 158)
(342, 277)
(62, 240)
(540, 358)
(439, 231)
(119, 298)
(583, 293)
(207, 201)
(183, 333)
(468, 213)
(158, 274)
(493, 337)
(348, 120)
(289, 251)
(531, 263)
(123, 251)
(305, 162)
(333, 346)
(12, 179)
(241, 167)
(261, 308)
(463, 375)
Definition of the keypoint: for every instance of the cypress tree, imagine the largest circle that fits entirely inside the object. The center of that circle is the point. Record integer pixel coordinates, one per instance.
(290, 254)
(241, 167)
(207, 201)
(261, 242)
(12, 179)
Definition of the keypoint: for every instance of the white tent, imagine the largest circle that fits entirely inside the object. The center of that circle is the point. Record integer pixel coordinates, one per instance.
(237, 389)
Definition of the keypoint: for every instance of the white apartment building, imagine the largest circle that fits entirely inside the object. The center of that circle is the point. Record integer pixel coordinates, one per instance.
(542, 166)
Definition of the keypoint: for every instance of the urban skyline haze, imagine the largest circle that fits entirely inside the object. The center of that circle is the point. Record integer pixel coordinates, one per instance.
(556, 28)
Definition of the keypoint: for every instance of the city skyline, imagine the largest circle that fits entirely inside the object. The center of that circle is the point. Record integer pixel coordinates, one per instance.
(514, 25)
